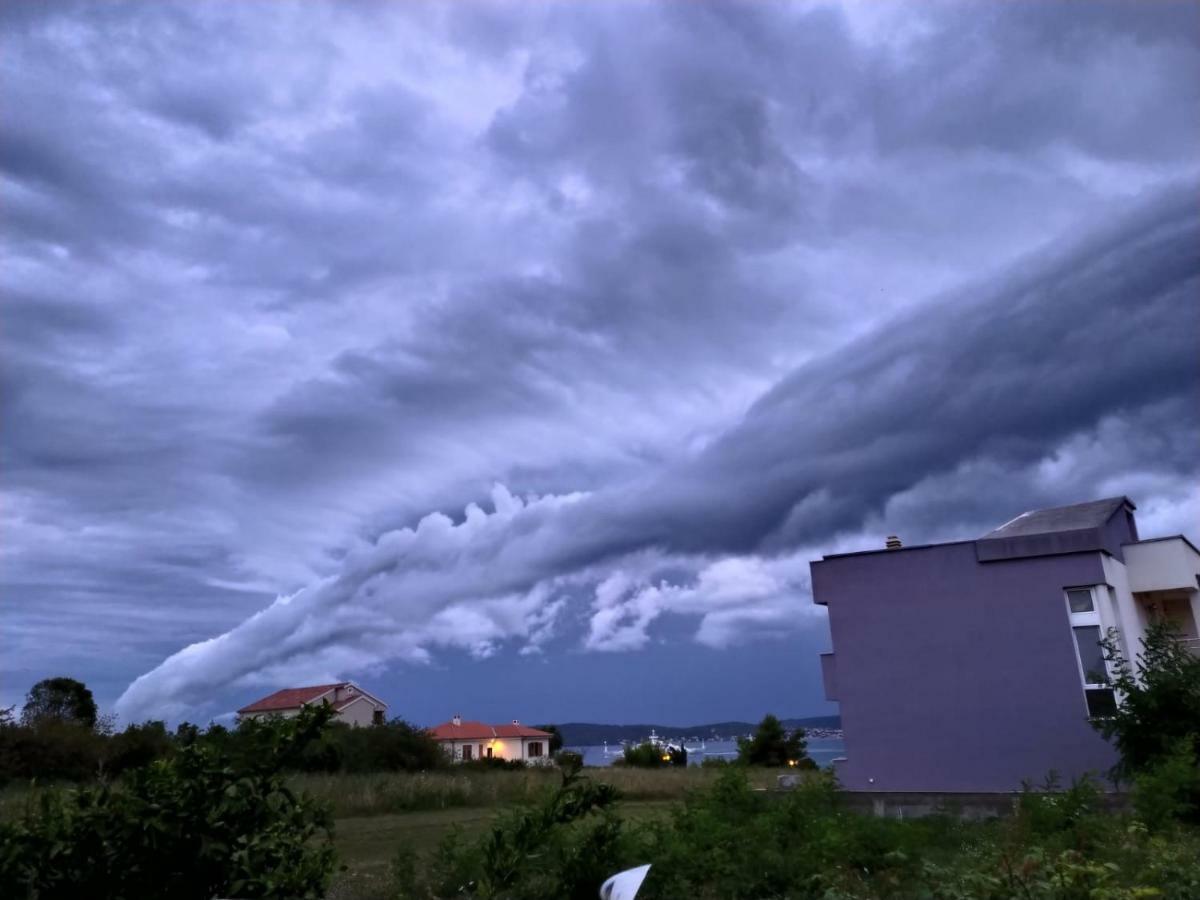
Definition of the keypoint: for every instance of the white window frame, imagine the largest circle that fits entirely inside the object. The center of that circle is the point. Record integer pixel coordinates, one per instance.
(1082, 620)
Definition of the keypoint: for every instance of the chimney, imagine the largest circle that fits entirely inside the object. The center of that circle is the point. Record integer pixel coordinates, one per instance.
(457, 720)
(893, 542)
(515, 722)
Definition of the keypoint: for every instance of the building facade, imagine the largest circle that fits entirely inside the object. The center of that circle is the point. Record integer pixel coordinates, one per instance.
(464, 741)
(351, 704)
(975, 665)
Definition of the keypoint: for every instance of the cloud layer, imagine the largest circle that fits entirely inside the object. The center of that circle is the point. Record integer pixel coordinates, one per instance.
(1004, 379)
(707, 287)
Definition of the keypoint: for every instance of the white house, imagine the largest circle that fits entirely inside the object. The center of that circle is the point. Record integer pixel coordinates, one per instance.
(464, 741)
(351, 704)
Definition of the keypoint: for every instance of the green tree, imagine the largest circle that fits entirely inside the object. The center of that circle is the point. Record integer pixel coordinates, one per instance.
(643, 756)
(773, 746)
(59, 700)
(556, 738)
(1157, 719)
(136, 746)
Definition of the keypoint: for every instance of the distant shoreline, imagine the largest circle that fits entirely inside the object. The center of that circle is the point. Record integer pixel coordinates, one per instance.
(593, 734)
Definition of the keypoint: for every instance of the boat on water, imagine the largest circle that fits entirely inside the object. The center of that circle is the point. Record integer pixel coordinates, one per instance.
(666, 745)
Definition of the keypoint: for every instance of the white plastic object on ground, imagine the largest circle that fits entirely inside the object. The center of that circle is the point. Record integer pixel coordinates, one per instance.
(624, 885)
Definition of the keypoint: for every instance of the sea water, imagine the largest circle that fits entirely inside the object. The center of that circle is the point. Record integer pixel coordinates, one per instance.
(822, 750)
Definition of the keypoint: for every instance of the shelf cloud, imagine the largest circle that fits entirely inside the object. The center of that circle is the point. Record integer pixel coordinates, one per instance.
(1005, 378)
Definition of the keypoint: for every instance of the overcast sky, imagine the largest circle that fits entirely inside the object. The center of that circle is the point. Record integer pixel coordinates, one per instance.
(515, 359)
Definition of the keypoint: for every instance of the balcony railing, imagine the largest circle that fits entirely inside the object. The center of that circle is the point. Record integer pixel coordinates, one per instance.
(1192, 645)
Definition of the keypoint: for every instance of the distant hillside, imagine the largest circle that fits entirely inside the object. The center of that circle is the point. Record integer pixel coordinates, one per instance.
(586, 734)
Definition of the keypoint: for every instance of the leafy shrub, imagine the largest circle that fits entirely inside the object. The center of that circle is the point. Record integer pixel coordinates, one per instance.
(51, 750)
(643, 756)
(136, 746)
(1170, 790)
(194, 825)
(1061, 819)
(652, 756)
(568, 760)
(395, 747)
(730, 841)
(561, 847)
(1156, 726)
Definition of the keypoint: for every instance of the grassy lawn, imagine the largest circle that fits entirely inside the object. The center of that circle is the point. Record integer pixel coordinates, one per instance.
(386, 793)
(366, 844)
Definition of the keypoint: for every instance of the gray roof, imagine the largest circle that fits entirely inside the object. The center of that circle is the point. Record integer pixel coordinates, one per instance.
(1076, 517)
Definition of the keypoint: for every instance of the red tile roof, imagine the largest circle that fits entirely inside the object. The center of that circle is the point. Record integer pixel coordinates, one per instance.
(289, 698)
(478, 731)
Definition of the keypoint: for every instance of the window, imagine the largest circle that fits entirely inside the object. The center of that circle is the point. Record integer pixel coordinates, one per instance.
(489, 752)
(377, 717)
(1089, 655)
(467, 748)
(535, 749)
(1080, 601)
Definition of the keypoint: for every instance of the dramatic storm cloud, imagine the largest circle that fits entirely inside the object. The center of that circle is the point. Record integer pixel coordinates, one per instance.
(500, 342)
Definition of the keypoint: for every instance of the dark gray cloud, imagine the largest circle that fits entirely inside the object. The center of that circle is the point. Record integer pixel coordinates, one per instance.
(750, 279)
(1002, 381)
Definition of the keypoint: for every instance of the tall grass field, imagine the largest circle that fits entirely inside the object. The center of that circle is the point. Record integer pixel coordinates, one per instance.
(399, 792)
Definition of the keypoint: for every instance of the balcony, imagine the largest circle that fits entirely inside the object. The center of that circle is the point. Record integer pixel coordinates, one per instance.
(1162, 564)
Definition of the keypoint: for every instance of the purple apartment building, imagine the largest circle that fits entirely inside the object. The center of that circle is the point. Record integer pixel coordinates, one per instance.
(973, 665)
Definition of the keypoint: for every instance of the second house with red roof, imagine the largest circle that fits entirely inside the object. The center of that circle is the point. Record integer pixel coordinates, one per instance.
(464, 741)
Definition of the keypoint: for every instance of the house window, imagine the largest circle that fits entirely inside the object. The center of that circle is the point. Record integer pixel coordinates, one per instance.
(535, 749)
(377, 717)
(1089, 655)
(1080, 600)
(467, 748)
(489, 752)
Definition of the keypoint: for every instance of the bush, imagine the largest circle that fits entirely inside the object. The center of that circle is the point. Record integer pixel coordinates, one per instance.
(1170, 790)
(1156, 726)
(50, 750)
(194, 825)
(562, 847)
(648, 756)
(730, 841)
(136, 746)
(569, 761)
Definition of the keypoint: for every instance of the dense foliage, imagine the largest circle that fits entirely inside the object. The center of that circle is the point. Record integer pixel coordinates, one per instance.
(64, 748)
(772, 745)
(732, 842)
(197, 824)
(1156, 726)
(653, 756)
(63, 700)
(556, 738)
(558, 848)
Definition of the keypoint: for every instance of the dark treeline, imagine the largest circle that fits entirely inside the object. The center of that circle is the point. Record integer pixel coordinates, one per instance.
(59, 737)
(67, 751)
